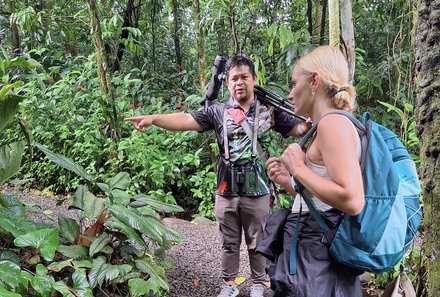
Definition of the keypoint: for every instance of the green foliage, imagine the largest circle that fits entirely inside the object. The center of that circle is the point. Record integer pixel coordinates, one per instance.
(128, 224)
(11, 151)
(411, 263)
(46, 240)
(408, 126)
(204, 187)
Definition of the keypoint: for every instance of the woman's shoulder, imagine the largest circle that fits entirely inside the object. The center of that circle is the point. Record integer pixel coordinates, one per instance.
(334, 122)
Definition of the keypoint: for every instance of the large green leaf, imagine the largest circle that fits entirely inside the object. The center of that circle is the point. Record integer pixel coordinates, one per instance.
(10, 159)
(119, 181)
(142, 200)
(140, 287)
(57, 266)
(65, 162)
(46, 240)
(91, 205)
(99, 243)
(69, 228)
(80, 283)
(63, 288)
(17, 225)
(97, 273)
(5, 293)
(23, 63)
(10, 273)
(12, 203)
(10, 256)
(73, 251)
(131, 233)
(147, 265)
(128, 217)
(8, 105)
(42, 281)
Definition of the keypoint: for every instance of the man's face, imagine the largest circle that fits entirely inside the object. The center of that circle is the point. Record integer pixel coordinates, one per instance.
(241, 83)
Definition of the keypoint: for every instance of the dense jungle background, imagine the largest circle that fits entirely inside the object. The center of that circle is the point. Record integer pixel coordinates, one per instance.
(72, 70)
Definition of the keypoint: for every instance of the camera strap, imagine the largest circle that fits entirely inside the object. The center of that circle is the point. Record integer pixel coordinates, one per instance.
(240, 119)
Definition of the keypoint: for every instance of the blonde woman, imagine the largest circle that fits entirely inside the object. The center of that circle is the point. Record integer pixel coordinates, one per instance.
(329, 170)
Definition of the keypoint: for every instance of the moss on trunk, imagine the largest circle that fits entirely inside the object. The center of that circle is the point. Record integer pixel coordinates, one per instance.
(427, 49)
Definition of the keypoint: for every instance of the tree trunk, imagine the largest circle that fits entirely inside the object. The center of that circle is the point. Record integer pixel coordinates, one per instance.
(176, 36)
(309, 17)
(348, 35)
(153, 33)
(128, 22)
(333, 22)
(177, 46)
(323, 22)
(103, 69)
(316, 32)
(235, 45)
(427, 51)
(14, 28)
(222, 40)
(200, 44)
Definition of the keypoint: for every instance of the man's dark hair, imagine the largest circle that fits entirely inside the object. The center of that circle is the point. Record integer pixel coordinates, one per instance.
(239, 59)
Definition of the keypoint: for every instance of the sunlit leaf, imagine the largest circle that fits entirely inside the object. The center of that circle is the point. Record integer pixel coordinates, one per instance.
(57, 266)
(140, 287)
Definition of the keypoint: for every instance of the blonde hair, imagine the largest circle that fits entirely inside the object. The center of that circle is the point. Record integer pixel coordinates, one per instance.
(332, 66)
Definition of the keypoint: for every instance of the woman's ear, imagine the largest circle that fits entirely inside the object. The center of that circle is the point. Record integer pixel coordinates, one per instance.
(315, 78)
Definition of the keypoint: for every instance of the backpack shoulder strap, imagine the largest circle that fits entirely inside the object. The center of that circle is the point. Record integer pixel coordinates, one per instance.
(299, 188)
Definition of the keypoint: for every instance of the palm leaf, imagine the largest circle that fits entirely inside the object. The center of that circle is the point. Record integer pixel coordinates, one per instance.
(65, 162)
(142, 200)
(130, 218)
(132, 234)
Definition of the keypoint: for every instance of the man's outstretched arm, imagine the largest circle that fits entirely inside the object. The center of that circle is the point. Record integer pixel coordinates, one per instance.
(173, 121)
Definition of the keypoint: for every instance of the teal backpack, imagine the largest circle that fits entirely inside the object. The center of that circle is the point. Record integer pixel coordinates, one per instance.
(376, 239)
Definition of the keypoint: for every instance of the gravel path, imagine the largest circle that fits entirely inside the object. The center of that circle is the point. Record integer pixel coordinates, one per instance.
(197, 258)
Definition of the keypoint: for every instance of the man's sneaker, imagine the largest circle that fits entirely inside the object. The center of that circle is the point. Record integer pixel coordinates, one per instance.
(228, 291)
(257, 290)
